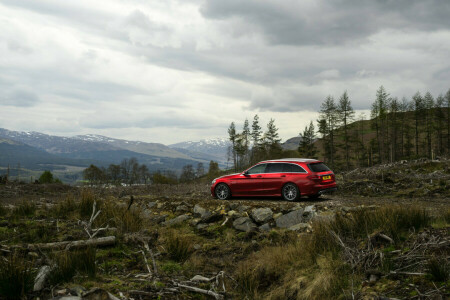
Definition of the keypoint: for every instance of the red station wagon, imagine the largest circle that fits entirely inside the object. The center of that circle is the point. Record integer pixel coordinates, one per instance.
(289, 178)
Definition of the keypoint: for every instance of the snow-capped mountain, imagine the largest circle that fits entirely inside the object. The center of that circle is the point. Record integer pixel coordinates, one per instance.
(217, 147)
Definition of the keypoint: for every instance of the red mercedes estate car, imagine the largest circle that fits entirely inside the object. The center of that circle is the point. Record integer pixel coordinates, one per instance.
(289, 178)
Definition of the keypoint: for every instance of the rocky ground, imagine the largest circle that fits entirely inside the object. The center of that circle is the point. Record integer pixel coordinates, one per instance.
(176, 242)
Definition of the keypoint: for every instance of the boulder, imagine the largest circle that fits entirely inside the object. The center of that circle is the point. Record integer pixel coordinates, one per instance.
(299, 227)
(309, 213)
(201, 212)
(290, 219)
(211, 217)
(244, 224)
(182, 208)
(262, 215)
(265, 227)
(151, 204)
(177, 220)
(242, 208)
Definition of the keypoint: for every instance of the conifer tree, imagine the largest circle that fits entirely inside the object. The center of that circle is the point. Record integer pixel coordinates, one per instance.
(306, 146)
(346, 116)
(327, 125)
(429, 105)
(439, 124)
(256, 136)
(418, 116)
(272, 140)
(232, 137)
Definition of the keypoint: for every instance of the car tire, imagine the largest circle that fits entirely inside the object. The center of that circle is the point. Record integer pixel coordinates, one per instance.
(222, 191)
(315, 196)
(290, 192)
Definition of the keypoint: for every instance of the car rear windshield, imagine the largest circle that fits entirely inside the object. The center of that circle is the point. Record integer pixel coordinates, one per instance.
(318, 167)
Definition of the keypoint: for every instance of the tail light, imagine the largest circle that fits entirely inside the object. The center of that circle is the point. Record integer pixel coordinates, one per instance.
(320, 179)
(316, 178)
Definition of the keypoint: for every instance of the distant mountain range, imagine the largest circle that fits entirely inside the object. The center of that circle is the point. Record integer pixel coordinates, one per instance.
(37, 151)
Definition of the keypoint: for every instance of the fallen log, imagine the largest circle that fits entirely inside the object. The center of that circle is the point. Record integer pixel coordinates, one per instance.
(98, 242)
(217, 296)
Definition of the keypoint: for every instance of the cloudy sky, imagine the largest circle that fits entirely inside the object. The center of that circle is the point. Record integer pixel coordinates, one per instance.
(168, 71)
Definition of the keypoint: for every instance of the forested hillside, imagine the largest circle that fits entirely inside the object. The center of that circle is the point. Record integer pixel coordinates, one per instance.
(395, 130)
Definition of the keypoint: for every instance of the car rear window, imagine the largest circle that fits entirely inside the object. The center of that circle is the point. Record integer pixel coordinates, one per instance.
(318, 167)
(291, 168)
(274, 168)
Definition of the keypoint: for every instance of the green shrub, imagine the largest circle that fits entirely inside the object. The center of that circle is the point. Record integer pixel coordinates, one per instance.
(64, 208)
(68, 263)
(179, 247)
(25, 209)
(87, 202)
(171, 267)
(3, 211)
(16, 277)
(47, 177)
(438, 269)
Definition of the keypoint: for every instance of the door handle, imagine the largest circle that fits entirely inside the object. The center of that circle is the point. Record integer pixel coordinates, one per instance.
(259, 176)
(283, 176)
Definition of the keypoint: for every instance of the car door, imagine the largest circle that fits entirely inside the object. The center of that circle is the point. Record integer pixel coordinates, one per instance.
(249, 183)
(273, 179)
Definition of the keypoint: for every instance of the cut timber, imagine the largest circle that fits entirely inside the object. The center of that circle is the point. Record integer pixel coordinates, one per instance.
(202, 291)
(98, 242)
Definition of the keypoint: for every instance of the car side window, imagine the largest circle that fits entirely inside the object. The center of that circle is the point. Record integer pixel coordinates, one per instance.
(292, 168)
(257, 169)
(275, 168)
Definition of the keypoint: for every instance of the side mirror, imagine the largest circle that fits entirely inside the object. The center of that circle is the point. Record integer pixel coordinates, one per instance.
(245, 173)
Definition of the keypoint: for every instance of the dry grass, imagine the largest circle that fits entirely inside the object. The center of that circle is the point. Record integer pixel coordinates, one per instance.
(24, 209)
(311, 266)
(16, 277)
(68, 263)
(178, 246)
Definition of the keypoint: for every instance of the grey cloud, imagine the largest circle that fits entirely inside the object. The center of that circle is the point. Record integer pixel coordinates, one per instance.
(330, 22)
(19, 96)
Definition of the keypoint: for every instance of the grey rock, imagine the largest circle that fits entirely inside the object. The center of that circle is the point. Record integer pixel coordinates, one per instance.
(262, 215)
(211, 217)
(242, 208)
(299, 227)
(233, 206)
(177, 220)
(201, 212)
(77, 290)
(265, 227)
(290, 219)
(244, 224)
(151, 204)
(277, 215)
(201, 226)
(309, 213)
(182, 208)
(99, 294)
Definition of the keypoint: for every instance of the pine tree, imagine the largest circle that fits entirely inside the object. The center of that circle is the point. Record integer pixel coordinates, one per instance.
(232, 137)
(246, 136)
(272, 140)
(439, 124)
(346, 116)
(327, 125)
(256, 136)
(379, 114)
(418, 116)
(306, 146)
(447, 102)
(394, 108)
(429, 105)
